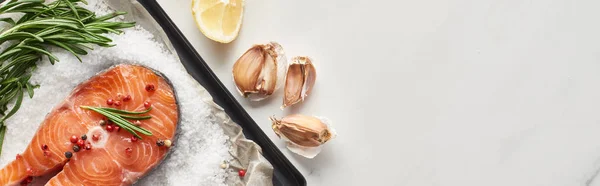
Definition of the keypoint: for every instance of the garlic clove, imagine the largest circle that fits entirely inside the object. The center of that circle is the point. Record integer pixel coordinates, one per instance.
(300, 79)
(305, 134)
(268, 77)
(293, 86)
(247, 69)
(257, 72)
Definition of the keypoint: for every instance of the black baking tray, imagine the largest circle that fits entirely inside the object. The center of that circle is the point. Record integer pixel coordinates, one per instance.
(284, 172)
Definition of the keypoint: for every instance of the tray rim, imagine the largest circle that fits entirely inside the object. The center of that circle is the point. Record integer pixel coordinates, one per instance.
(270, 151)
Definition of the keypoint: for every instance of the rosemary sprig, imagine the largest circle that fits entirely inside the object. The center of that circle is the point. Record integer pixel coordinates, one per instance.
(119, 117)
(63, 24)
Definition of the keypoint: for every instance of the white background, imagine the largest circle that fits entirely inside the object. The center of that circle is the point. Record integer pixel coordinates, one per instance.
(434, 92)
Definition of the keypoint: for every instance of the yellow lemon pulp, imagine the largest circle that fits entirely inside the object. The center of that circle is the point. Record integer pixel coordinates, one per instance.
(219, 20)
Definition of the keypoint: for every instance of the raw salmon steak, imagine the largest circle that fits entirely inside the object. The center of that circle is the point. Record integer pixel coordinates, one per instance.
(115, 158)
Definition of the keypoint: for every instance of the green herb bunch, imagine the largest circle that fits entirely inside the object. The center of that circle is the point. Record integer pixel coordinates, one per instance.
(61, 24)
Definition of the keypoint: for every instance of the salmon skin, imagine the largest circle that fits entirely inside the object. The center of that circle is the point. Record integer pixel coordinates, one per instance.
(115, 158)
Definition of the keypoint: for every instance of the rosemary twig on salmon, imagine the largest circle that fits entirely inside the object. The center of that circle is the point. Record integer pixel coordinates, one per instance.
(62, 24)
(119, 117)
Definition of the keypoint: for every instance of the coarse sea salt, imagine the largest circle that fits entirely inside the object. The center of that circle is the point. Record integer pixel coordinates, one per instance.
(200, 146)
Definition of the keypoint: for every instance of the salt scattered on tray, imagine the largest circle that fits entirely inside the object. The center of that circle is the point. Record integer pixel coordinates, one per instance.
(201, 145)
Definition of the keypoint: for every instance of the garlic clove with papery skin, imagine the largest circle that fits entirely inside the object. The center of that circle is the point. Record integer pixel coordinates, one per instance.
(300, 79)
(305, 135)
(258, 72)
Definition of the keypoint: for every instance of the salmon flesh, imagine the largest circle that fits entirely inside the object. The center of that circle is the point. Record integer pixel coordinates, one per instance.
(115, 158)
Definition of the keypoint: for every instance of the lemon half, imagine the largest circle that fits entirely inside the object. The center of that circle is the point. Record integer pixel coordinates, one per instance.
(219, 20)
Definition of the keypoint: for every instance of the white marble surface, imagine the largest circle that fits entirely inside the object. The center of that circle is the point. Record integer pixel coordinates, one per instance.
(435, 92)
